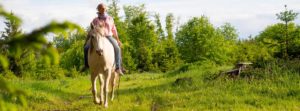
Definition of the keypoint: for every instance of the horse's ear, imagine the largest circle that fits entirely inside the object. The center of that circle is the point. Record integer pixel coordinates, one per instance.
(92, 26)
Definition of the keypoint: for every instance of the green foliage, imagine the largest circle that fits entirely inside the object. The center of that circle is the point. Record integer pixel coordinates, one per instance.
(11, 99)
(132, 12)
(169, 26)
(135, 24)
(198, 40)
(273, 70)
(252, 51)
(49, 73)
(113, 10)
(273, 38)
(287, 15)
(167, 55)
(4, 62)
(20, 47)
(28, 62)
(159, 30)
(144, 40)
(73, 57)
(229, 32)
(63, 42)
(10, 16)
(188, 38)
(12, 30)
(122, 26)
(73, 73)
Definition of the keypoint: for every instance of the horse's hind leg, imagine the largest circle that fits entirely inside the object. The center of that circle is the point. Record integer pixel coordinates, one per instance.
(113, 79)
(94, 88)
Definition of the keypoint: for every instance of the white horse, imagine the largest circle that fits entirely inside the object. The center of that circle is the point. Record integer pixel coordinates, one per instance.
(101, 60)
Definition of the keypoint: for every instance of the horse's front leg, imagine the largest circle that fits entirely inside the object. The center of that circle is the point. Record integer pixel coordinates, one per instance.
(102, 84)
(94, 88)
(106, 87)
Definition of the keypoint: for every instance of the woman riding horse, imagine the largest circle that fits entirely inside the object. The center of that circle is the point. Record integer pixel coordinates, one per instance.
(110, 33)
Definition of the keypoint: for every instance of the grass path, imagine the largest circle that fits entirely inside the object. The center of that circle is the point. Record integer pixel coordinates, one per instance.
(143, 92)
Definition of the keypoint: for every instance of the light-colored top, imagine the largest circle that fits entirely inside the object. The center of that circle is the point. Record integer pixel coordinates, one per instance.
(108, 22)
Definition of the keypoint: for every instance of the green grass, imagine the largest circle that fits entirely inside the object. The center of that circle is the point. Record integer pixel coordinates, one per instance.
(143, 92)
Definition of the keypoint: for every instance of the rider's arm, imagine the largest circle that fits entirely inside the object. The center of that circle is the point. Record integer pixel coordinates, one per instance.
(115, 33)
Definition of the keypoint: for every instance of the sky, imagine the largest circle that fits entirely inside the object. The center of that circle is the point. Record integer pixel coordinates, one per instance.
(249, 17)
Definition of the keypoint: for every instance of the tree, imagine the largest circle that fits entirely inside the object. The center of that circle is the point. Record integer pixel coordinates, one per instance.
(273, 38)
(26, 61)
(159, 29)
(113, 10)
(30, 41)
(252, 51)
(198, 40)
(12, 29)
(122, 27)
(169, 26)
(294, 45)
(286, 16)
(229, 32)
(166, 55)
(144, 42)
(171, 52)
(132, 12)
(229, 41)
(63, 42)
(73, 57)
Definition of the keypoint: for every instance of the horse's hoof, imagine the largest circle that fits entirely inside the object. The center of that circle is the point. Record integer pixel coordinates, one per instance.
(112, 99)
(106, 106)
(97, 101)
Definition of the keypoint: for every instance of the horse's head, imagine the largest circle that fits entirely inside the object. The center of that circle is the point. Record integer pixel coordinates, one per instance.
(97, 35)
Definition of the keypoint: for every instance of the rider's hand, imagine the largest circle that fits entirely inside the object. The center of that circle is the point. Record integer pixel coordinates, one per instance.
(119, 42)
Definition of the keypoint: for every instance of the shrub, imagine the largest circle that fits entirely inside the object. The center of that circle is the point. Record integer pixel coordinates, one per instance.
(47, 73)
(73, 57)
(72, 73)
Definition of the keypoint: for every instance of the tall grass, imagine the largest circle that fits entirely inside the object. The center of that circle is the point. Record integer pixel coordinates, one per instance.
(266, 87)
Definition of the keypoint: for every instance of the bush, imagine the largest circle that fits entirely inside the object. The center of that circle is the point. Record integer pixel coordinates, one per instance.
(72, 73)
(11, 99)
(48, 73)
(8, 75)
(272, 69)
(73, 57)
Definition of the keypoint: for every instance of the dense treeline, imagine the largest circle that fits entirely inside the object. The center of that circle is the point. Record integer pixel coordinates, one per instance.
(148, 46)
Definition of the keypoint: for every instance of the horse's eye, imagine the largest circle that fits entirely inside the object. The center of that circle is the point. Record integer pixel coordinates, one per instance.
(93, 37)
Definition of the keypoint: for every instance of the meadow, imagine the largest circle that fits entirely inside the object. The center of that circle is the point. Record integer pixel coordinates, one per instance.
(256, 89)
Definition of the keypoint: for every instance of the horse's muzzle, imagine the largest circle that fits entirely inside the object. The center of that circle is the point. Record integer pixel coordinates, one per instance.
(99, 52)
